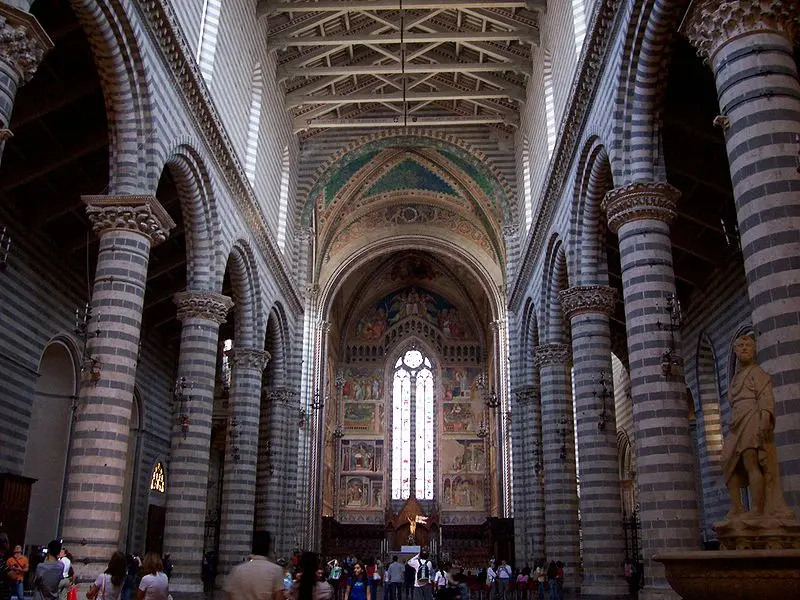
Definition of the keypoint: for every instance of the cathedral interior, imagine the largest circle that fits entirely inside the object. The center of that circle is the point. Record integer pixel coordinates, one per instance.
(375, 275)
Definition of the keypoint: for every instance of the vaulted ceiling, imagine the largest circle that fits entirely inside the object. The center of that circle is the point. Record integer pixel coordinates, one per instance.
(391, 63)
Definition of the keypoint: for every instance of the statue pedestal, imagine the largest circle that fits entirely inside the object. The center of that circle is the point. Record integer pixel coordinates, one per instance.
(733, 574)
(759, 533)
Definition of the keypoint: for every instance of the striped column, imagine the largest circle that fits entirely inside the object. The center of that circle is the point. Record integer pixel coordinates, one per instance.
(639, 213)
(588, 308)
(239, 479)
(750, 48)
(527, 475)
(23, 44)
(127, 226)
(558, 445)
(201, 314)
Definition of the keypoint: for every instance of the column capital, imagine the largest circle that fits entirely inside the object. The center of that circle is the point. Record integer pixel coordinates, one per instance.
(141, 214)
(23, 41)
(640, 200)
(710, 24)
(250, 358)
(582, 299)
(497, 324)
(545, 355)
(205, 305)
(324, 326)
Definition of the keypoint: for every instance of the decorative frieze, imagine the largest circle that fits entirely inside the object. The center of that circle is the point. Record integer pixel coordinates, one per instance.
(141, 214)
(204, 305)
(640, 200)
(710, 24)
(250, 358)
(551, 354)
(582, 299)
(23, 41)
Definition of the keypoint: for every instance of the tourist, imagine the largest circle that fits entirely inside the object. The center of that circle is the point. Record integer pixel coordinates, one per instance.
(409, 574)
(491, 580)
(423, 571)
(540, 574)
(258, 578)
(49, 574)
(155, 583)
(17, 569)
(552, 573)
(560, 579)
(110, 584)
(65, 558)
(374, 576)
(522, 584)
(310, 585)
(5, 581)
(358, 584)
(396, 573)
(504, 576)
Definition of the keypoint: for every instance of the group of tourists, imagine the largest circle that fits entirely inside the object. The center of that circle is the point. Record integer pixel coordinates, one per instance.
(53, 576)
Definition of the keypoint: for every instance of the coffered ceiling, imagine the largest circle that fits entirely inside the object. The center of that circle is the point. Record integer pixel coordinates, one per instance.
(392, 63)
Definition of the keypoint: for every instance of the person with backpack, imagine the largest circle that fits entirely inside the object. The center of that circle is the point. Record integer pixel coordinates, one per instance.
(423, 580)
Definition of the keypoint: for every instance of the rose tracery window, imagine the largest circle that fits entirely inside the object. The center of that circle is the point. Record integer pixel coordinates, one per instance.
(412, 388)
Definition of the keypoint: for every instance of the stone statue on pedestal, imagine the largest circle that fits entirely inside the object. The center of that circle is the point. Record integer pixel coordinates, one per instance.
(749, 457)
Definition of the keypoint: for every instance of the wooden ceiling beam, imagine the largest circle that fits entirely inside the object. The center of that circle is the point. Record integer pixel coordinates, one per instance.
(268, 7)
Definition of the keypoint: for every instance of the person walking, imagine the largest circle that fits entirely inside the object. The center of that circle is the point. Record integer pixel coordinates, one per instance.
(504, 577)
(540, 574)
(358, 584)
(396, 572)
(311, 585)
(155, 583)
(258, 578)
(110, 584)
(49, 574)
(423, 581)
(17, 570)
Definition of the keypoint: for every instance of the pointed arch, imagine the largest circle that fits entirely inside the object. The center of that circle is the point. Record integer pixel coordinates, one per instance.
(556, 279)
(246, 294)
(276, 344)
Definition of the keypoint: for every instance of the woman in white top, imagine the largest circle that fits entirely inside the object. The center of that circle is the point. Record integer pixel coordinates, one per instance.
(154, 585)
(108, 585)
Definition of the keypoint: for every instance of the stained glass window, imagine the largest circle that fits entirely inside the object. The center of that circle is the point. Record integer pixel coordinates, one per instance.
(413, 383)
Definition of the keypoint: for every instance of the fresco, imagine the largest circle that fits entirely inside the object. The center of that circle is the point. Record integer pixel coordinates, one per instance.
(464, 492)
(410, 175)
(363, 455)
(461, 402)
(464, 456)
(361, 492)
(360, 385)
(411, 302)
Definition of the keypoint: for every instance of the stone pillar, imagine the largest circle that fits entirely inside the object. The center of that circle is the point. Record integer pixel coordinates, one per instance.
(239, 480)
(201, 314)
(558, 444)
(749, 45)
(529, 499)
(317, 420)
(588, 308)
(640, 214)
(23, 44)
(128, 226)
(498, 327)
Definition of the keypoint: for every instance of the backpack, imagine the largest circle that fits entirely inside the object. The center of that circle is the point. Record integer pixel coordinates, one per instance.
(424, 572)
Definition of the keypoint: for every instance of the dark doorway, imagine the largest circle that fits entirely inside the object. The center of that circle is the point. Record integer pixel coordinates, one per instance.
(156, 517)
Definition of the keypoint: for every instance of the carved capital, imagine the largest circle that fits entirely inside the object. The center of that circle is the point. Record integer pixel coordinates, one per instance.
(23, 41)
(141, 214)
(640, 200)
(551, 354)
(250, 358)
(497, 324)
(710, 24)
(526, 394)
(588, 299)
(205, 305)
(312, 292)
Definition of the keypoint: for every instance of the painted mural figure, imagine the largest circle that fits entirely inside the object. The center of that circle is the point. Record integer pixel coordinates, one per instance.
(749, 457)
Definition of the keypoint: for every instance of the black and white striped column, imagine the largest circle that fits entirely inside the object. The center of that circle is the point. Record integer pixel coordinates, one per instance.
(23, 45)
(640, 214)
(588, 308)
(239, 479)
(527, 475)
(283, 411)
(201, 314)
(558, 444)
(128, 226)
(750, 46)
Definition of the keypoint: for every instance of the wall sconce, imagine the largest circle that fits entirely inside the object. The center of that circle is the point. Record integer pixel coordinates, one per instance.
(670, 358)
(182, 399)
(90, 366)
(233, 434)
(338, 432)
(339, 380)
(483, 430)
(5, 247)
(604, 395)
(492, 400)
(316, 401)
(538, 465)
(562, 431)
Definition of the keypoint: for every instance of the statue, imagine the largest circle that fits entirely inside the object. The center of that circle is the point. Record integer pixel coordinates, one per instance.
(412, 524)
(749, 457)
